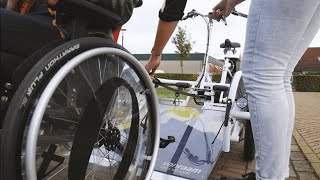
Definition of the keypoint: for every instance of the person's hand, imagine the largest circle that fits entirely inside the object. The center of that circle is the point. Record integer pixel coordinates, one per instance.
(224, 8)
(52, 2)
(12, 5)
(214, 69)
(153, 64)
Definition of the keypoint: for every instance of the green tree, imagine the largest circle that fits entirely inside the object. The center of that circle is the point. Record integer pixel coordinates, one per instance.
(183, 45)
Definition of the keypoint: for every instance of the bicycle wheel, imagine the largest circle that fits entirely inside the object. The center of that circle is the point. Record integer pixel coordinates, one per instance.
(99, 123)
(249, 146)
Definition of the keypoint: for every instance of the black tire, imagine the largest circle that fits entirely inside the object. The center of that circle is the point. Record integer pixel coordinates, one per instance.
(17, 117)
(19, 74)
(249, 147)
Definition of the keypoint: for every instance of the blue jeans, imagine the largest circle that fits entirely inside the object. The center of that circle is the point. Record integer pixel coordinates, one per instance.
(278, 34)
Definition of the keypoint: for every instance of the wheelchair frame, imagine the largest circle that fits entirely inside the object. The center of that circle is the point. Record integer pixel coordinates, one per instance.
(203, 83)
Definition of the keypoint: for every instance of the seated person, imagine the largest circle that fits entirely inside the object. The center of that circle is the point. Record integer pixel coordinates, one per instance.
(26, 26)
(23, 31)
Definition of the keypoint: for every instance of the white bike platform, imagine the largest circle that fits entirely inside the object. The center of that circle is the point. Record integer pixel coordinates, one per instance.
(191, 156)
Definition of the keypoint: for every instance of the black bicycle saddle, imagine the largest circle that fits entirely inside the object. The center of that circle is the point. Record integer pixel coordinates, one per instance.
(228, 44)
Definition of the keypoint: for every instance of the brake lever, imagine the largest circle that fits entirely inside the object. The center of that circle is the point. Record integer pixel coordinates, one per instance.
(184, 18)
(236, 13)
(224, 20)
(190, 14)
(222, 17)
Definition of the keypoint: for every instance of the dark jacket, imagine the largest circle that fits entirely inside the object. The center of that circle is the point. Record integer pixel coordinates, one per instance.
(123, 8)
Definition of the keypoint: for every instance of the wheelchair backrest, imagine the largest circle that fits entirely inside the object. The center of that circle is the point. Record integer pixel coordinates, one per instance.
(111, 12)
(99, 15)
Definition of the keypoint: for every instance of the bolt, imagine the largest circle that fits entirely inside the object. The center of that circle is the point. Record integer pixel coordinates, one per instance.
(4, 98)
(9, 86)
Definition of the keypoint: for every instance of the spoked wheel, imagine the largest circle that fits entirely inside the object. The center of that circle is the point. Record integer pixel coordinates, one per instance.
(98, 120)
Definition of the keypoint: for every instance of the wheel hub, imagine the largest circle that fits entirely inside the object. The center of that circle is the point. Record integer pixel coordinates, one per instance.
(110, 138)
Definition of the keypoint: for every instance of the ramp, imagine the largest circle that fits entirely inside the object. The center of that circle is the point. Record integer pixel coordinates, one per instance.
(191, 156)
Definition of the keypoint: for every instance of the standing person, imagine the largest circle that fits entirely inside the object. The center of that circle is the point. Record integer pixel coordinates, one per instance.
(278, 34)
(170, 14)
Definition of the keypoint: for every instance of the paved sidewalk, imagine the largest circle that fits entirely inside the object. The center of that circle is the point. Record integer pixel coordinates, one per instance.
(307, 126)
(305, 148)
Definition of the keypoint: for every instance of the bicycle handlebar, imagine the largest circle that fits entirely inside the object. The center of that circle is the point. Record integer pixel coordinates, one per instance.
(193, 13)
(236, 13)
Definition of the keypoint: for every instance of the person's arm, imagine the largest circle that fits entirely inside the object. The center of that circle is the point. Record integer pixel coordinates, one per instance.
(164, 32)
(52, 2)
(170, 14)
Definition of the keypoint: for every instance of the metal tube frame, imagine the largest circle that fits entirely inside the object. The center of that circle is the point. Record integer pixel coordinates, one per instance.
(204, 80)
(32, 136)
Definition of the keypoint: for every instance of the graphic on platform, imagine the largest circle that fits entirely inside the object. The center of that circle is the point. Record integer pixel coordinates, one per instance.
(182, 113)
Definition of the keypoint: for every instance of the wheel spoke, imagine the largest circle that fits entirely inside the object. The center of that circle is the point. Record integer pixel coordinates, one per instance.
(57, 172)
(99, 64)
(87, 80)
(62, 119)
(110, 166)
(65, 109)
(123, 136)
(100, 139)
(65, 95)
(104, 68)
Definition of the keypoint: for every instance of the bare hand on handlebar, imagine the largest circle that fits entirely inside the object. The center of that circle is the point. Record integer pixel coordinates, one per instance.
(224, 8)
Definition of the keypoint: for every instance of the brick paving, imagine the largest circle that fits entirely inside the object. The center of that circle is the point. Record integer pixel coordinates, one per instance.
(305, 147)
(307, 127)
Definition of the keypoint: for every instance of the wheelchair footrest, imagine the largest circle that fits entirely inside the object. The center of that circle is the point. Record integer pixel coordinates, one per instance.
(165, 142)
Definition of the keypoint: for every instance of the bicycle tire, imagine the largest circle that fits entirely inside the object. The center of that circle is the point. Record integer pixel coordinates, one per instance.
(249, 146)
(32, 85)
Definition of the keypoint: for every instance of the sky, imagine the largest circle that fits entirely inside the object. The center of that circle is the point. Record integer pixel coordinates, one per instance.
(141, 28)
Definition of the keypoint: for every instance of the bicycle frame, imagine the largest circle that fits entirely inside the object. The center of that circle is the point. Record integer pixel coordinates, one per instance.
(204, 83)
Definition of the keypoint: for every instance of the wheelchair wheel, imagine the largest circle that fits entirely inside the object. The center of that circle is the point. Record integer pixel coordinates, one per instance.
(100, 121)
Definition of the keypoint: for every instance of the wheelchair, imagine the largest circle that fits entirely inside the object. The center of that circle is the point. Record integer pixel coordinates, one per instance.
(99, 108)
